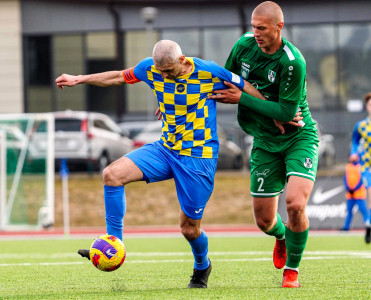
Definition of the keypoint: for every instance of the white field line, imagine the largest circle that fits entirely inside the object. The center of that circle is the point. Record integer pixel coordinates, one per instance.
(321, 255)
(167, 254)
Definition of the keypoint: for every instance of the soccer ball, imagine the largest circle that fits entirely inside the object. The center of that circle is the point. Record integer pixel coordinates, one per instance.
(107, 253)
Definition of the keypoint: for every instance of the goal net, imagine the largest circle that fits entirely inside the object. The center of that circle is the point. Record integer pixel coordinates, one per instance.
(26, 171)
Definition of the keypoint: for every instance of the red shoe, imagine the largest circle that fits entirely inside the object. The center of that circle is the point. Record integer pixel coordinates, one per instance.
(279, 254)
(290, 279)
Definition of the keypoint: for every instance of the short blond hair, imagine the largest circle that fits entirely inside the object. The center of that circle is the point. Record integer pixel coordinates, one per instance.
(166, 52)
(271, 10)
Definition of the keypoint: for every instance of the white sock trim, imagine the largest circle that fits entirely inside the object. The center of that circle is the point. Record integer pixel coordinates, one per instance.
(288, 268)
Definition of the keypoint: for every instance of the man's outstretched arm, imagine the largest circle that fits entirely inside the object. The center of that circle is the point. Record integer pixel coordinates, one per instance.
(104, 79)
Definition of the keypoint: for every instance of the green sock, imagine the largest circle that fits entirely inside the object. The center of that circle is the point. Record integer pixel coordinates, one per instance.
(278, 231)
(295, 245)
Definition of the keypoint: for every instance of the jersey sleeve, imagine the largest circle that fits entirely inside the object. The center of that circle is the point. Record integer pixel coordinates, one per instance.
(356, 137)
(283, 110)
(139, 72)
(224, 74)
(292, 84)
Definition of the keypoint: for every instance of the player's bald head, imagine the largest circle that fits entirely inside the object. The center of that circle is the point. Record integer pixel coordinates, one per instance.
(270, 10)
(166, 52)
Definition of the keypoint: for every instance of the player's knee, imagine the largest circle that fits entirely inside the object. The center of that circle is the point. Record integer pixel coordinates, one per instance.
(264, 224)
(295, 209)
(189, 232)
(110, 177)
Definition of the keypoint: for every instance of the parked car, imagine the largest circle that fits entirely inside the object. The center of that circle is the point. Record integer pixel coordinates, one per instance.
(326, 149)
(88, 138)
(150, 133)
(230, 154)
(132, 129)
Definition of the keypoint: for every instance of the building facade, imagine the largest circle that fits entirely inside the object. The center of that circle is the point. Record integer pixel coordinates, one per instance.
(47, 38)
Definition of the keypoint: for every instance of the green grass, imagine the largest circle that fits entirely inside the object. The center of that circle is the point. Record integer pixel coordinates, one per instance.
(333, 267)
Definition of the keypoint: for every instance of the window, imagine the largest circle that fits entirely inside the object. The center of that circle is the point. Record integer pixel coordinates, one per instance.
(188, 40)
(101, 125)
(317, 43)
(354, 60)
(219, 42)
(38, 62)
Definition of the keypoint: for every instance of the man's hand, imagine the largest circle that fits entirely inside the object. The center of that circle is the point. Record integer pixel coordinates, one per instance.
(354, 158)
(158, 114)
(66, 80)
(295, 122)
(230, 95)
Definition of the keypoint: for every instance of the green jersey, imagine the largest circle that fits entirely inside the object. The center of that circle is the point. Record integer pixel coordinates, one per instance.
(281, 78)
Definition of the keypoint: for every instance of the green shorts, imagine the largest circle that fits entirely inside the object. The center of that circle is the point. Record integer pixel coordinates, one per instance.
(271, 169)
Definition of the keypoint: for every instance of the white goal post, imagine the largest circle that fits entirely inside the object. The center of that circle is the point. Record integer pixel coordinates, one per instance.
(26, 171)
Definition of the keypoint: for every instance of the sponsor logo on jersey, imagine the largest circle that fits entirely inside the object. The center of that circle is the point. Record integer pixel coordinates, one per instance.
(271, 75)
(245, 70)
(198, 211)
(263, 173)
(308, 163)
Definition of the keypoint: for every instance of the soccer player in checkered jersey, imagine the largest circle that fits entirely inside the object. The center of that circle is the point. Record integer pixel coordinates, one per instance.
(278, 70)
(187, 150)
(361, 151)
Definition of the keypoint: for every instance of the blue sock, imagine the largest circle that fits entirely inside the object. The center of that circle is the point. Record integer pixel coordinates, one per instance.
(348, 219)
(200, 248)
(115, 203)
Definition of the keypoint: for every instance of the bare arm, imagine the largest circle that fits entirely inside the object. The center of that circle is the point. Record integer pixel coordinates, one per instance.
(252, 91)
(104, 79)
(232, 95)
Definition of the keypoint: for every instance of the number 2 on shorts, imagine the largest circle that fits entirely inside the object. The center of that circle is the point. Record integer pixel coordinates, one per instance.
(260, 188)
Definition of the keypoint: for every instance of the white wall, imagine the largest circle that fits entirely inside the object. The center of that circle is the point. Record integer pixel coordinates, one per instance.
(11, 79)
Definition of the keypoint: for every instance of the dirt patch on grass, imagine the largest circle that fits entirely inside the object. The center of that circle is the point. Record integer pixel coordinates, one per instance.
(155, 203)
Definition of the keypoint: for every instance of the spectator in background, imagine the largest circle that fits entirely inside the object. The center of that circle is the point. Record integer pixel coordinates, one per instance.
(355, 193)
(361, 151)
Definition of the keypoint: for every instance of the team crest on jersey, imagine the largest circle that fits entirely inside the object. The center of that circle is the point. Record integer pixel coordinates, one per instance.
(308, 163)
(271, 76)
(180, 88)
(245, 70)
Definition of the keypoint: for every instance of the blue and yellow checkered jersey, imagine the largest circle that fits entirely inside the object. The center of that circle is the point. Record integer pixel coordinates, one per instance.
(188, 117)
(361, 142)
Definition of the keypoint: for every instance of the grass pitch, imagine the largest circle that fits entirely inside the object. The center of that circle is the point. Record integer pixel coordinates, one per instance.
(333, 267)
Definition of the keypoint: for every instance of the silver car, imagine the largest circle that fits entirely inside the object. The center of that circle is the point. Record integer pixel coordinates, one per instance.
(88, 138)
(230, 154)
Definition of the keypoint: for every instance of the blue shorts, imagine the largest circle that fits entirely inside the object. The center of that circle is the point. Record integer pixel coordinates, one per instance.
(194, 177)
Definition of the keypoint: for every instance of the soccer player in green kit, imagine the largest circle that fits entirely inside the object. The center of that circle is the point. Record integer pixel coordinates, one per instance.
(278, 70)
